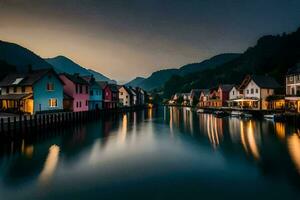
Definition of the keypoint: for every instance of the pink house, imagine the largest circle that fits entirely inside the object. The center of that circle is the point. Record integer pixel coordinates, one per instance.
(76, 91)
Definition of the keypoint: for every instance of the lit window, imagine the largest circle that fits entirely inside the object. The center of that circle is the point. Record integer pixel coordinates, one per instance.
(50, 86)
(52, 103)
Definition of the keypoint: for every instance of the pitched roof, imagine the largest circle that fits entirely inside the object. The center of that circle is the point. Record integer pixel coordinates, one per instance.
(226, 87)
(265, 81)
(113, 87)
(294, 70)
(25, 79)
(14, 96)
(75, 78)
(125, 88)
(102, 84)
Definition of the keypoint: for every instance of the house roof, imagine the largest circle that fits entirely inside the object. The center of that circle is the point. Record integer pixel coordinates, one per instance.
(25, 79)
(113, 87)
(133, 92)
(294, 70)
(226, 87)
(125, 88)
(206, 91)
(67, 97)
(75, 78)
(14, 96)
(102, 84)
(265, 81)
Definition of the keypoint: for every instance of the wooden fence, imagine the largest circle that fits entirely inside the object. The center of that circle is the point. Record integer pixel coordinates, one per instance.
(26, 125)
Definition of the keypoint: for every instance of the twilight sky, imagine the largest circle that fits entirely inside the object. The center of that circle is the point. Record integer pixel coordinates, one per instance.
(127, 38)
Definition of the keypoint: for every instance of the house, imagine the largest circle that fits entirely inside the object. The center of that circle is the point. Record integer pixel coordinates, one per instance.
(194, 95)
(204, 98)
(133, 96)
(32, 92)
(186, 99)
(124, 96)
(293, 88)
(234, 95)
(224, 93)
(110, 95)
(140, 94)
(255, 91)
(76, 90)
(213, 99)
(95, 98)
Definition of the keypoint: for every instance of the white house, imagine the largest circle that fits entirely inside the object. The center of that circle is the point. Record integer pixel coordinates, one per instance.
(256, 91)
(124, 96)
(293, 88)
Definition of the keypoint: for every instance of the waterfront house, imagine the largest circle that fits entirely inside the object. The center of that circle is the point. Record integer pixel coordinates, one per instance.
(224, 93)
(140, 94)
(110, 95)
(77, 89)
(293, 89)
(95, 98)
(194, 95)
(133, 98)
(124, 96)
(32, 92)
(204, 98)
(255, 90)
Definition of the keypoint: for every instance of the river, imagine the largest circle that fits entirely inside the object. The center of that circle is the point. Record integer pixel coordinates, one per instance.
(164, 153)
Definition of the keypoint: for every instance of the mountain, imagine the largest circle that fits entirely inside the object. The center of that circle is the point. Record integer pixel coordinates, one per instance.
(272, 55)
(6, 68)
(159, 78)
(135, 82)
(62, 64)
(20, 57)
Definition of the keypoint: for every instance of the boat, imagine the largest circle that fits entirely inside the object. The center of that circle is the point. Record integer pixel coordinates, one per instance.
(246, 115)
(200, 111)
(236, 113)
(275, 117)
(220, 114)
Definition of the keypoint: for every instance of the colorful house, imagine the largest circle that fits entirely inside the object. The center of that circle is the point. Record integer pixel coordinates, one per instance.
(204, 98)
(32, 92)
(95, 98)
(124, 96)
(110, 95)
(293, 89)
(254, 91)
(140, 95)
(194, 95)
(77, 91)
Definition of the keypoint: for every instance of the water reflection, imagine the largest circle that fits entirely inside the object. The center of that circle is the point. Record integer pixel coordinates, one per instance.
(131, 154)
(294, 149)
(50, 164)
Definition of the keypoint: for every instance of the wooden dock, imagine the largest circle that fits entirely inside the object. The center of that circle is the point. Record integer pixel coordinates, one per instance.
(27, 125)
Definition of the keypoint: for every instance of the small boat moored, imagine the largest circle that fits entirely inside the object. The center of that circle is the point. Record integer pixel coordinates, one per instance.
(221, 114)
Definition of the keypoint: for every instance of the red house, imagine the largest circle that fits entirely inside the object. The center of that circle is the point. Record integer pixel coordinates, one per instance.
(110, 95)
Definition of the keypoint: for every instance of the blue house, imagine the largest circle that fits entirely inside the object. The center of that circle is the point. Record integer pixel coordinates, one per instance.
(32, 92)
(95, 98)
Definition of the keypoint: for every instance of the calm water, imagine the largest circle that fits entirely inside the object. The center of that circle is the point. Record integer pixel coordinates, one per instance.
(168, 153)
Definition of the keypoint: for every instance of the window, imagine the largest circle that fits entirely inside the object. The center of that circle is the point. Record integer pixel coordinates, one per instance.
(52, 103)
(232, 92)
(92, 92)
(23, 89)
(87, 89)
(268, 91)
(80, 89)
(86, 103)
(76, 89)
(121, 93)
(15, 89)
(126, 96)
(247, 91)
(256, 91)
(50, 86)
(291, 78)
(79, 104)
(252, 91)
(7, 90)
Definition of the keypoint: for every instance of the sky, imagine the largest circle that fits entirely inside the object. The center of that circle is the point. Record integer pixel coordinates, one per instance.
(127, 38)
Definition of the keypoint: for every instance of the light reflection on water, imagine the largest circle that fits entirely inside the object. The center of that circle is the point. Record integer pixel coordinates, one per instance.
(156, 154)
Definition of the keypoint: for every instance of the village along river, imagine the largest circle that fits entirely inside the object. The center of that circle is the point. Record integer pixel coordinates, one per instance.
(165, 153)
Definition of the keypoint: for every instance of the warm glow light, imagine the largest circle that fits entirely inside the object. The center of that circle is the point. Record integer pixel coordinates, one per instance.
(294, 149)
(248, 140)
(50, 164)
(280, 130)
